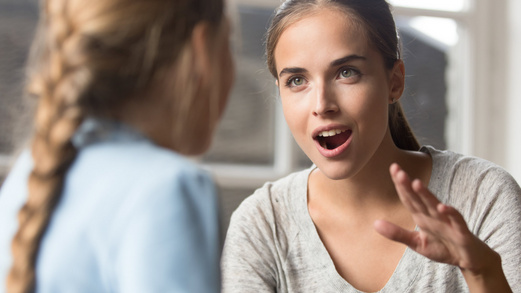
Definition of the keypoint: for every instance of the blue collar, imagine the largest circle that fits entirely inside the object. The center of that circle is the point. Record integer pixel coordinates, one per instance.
(94, 130)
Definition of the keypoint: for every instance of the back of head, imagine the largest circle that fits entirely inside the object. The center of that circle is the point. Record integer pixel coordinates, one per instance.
(88, 59)
(375, 20)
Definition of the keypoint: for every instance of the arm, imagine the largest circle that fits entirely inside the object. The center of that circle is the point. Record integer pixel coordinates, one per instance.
(444, 236)
(171, 240)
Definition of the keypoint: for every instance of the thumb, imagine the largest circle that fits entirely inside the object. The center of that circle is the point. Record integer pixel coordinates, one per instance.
(394, 232)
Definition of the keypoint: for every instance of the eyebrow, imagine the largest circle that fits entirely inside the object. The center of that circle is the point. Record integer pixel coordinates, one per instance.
(334, 63)
(292, 70)
(346, 59)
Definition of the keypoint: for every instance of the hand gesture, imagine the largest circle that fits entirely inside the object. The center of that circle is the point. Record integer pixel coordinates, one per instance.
(443, 235)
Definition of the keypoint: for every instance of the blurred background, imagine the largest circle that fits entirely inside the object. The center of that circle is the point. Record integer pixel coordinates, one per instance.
(461, 56)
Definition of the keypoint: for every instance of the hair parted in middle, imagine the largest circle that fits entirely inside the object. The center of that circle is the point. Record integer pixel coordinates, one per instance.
(375, 21)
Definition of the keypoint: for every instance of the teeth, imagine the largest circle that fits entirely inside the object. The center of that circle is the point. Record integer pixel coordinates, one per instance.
(328, 133)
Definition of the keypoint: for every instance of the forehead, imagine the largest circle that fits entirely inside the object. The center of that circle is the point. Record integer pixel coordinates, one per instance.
(325, 33)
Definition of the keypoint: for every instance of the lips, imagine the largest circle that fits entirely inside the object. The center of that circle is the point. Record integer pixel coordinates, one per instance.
(332, 141)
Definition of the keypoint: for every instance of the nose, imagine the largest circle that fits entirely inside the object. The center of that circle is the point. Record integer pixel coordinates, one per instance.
(326, 102)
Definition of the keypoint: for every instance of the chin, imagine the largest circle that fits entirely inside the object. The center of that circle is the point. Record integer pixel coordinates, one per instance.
(336, 170)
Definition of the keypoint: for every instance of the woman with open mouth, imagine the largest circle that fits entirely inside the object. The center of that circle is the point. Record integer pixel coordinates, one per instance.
(341, 225)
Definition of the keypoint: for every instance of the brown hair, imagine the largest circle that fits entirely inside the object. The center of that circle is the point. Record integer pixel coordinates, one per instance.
(88, 59)
(376, 20)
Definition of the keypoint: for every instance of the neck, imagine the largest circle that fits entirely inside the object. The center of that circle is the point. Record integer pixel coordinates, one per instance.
(372, 187)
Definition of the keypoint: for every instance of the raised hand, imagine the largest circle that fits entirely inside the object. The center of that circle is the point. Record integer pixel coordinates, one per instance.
(443, 235)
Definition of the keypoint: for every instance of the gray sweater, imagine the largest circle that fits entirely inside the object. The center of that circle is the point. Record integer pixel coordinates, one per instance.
(272, 244)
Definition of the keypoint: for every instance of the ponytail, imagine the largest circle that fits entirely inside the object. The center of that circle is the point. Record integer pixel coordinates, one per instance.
(401, 131)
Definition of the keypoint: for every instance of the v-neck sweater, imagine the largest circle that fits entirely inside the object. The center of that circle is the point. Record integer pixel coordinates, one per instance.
(272, 244)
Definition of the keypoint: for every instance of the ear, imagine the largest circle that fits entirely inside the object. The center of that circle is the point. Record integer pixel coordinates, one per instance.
(397, 81)
(201, 51)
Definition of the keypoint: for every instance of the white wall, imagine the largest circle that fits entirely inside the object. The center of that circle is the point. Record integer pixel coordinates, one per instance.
(495, 105)
(513, 90)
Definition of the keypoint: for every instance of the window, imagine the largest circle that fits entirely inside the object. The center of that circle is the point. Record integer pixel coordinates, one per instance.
(17, 22)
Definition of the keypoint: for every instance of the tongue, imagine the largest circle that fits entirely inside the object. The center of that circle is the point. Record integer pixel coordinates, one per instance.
(332, 142)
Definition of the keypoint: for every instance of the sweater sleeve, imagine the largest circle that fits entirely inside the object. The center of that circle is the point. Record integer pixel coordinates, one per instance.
(489, 199)
(169, 241)
(500, 221)
(249, 262)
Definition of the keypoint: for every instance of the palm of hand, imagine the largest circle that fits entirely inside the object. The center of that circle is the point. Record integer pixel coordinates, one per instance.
(443, 235)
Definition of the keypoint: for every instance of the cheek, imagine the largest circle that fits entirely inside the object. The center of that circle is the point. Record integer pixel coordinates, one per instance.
(296, 115)
(373, 115)
(290, 117)
(228, 75)
(228, 66)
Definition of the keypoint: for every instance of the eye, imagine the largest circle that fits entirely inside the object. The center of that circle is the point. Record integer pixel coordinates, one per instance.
(349, 74)
(295, 81)
(346, 73)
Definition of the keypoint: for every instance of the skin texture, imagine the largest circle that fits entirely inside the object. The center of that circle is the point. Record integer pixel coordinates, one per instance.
(353, 95)
(331, 77)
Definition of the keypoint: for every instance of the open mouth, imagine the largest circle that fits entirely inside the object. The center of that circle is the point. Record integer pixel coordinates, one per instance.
(332, 139)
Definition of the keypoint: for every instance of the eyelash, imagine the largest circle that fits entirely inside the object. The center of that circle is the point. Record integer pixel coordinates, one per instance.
(355, 73)
(291, 80)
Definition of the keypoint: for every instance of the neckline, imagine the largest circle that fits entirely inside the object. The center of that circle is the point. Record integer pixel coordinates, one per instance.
(93, 130)
(403, 275)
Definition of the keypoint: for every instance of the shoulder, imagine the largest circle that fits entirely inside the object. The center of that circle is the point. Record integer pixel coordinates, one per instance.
(139, 162)
(270, 217)
(482, 191)
(274, 201)
(16, 180)
(451, 169)
(12, 197)
(128, 181)
(260, 232)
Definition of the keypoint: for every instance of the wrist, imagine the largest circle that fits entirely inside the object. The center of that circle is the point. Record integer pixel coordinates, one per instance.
(488, 276)
(488, 263)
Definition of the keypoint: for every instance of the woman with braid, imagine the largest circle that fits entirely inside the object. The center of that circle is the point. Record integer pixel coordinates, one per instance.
(105, 200)
(376, 212)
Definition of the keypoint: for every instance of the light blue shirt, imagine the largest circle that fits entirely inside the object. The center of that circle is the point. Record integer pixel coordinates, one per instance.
(133, 217)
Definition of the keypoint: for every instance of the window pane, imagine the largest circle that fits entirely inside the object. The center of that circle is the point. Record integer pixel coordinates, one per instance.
(428, 48)
(447, 5)
(17, 23)
(246, 134)
(442, 30)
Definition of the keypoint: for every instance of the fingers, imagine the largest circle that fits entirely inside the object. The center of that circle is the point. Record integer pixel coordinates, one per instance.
(456, 219)
(414, 195)
(427, 198)
(405, 191)
(394, 232)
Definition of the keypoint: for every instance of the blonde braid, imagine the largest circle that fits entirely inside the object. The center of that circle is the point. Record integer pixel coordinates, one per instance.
(59, 87)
